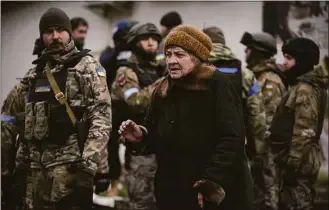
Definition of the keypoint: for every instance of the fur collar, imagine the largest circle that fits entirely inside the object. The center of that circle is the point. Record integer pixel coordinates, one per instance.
(198, 79)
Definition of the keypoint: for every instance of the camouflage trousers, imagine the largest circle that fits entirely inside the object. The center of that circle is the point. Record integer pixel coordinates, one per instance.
(140, 183)
(266, 185)
(297, 190)
(58, 188)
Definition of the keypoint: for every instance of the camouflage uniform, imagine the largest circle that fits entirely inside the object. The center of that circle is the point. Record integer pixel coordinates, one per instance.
(141, 169)
(270, 79)
(298, 153)
(59, 178)
(13, 181)
(131, 92)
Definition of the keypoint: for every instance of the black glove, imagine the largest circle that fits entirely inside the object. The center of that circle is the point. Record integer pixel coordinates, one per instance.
(101, 182)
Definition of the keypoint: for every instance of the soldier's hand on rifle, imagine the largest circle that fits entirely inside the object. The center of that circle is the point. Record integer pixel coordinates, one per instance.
(130, 131)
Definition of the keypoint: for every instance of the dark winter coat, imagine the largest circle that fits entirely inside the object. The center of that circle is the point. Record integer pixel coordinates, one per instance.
(196, 129)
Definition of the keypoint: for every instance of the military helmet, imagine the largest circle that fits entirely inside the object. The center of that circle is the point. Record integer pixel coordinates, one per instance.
(261, 41)
(143, 29)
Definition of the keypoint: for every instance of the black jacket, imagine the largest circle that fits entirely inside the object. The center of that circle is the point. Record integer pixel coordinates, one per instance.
(196, 130)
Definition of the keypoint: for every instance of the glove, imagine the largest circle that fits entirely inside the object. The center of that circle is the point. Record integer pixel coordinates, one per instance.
(101, 182)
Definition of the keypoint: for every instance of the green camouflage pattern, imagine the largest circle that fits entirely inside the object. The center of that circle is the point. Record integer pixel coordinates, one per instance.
(56, 180)
(140, 175)
(87, 88)
(303, 157)
(126, 79)
(12, 105)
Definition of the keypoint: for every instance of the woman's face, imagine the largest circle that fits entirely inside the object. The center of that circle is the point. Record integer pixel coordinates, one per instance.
(179, 62)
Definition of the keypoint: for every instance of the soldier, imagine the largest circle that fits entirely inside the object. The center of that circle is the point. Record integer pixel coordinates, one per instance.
(252, 102)
(297, 125)
(131, 93)
(110, 60)
(260, 49)
(13, 184)
(67, 120)
(79, 31)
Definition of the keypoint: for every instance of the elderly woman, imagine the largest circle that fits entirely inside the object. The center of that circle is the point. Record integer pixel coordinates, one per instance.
(195, 128)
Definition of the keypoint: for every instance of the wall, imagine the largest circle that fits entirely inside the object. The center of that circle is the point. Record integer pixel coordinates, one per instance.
(20, 28)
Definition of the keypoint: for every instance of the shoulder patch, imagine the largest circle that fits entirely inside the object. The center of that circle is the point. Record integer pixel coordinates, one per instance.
(269, 86)
(100, 71)
(8, 119)
(254, 88)
(227, 70)
(160, 56)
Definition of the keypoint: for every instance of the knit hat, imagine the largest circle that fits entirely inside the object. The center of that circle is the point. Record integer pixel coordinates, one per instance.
(191, 39)
(215, 34)
(55, 17)
(303, 50)
(171, 19)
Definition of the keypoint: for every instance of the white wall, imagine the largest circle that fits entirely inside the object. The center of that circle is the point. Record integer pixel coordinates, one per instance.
(20, 28)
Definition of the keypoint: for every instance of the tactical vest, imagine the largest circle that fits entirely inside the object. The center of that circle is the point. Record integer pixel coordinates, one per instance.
(284, 121)
(45, 117)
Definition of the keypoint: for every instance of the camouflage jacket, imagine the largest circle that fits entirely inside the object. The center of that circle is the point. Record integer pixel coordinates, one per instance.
(252, 96)
(272, 86)
(126, 86)
(12, 105)
(304, 101)
(85, 87)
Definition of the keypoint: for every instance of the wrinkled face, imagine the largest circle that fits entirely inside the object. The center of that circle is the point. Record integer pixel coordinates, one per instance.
(179, 62)
(55, 38)
(79, 34)
(288, 62)
(247, 54)
(148, 43)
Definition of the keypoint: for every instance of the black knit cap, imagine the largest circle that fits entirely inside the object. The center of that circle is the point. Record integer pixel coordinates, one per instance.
(55, 17)
(171, 19)
(303, 50)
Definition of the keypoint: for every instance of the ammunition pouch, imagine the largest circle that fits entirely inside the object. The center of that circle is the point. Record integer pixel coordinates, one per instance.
(49, 122)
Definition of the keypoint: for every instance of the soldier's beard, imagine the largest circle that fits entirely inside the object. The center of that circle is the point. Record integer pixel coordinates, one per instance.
(301, 67)
(145, 55)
